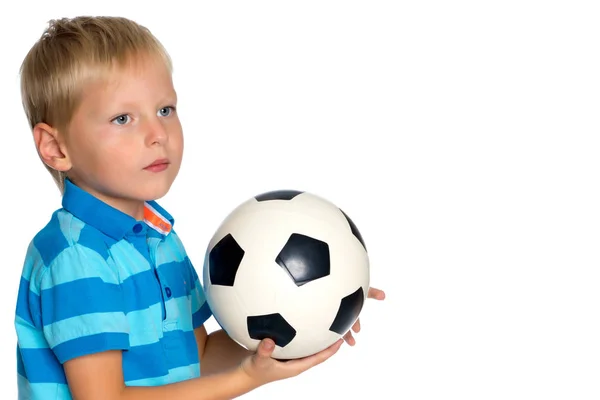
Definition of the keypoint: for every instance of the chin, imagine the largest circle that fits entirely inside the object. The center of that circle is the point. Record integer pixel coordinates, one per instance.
(147, 188)
(156, 192)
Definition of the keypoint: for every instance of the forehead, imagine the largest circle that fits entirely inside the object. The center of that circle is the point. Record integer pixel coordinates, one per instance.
(141, 78)
(145, 71)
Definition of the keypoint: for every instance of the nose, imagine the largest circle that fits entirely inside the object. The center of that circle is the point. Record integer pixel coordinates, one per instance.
(156, 132)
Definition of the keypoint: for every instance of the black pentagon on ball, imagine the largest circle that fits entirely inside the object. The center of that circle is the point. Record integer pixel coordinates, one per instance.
(350, 308)
(224, 261)
(278, 195)
(304, 258)
(272, 326)
(354, 230)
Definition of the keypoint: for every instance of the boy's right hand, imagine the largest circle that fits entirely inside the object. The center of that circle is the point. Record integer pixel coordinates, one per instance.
(262, 368)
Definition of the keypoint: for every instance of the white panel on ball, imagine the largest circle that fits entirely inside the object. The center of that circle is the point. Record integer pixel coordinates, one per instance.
(282, 265)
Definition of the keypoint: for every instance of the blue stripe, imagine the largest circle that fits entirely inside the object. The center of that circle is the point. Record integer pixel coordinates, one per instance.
(195, 277)
(145, 289)
(20, 365)
(141, 320)
(23, 298)
(38, 391)
(85, 325)
(33, 262)
(29, 336)
(83, 296)
(184, 373)
(91, 344)
(182, 347)
(28, 307)
(79, 262)
(175, 375)
(141, 245)
(42, 366)
(93, 239)
(140, 362)
(50, 241)
(132, 262)
(198, 296)
(200, 316)
(93, 295)
(178, 276)
(145, 325)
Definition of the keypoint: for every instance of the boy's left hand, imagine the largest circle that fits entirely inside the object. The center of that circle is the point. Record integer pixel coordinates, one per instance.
(372, 294)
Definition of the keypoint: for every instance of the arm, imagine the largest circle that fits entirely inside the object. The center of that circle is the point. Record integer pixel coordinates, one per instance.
(100, 377)
(218, 352)
(84, 322)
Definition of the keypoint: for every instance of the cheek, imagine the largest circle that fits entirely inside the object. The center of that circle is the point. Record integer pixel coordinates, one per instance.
(180, 143)
(115, 155)
(176, 142)
(84, 152)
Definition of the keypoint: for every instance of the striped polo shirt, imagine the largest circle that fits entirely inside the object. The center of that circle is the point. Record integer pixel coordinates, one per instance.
(95, 279)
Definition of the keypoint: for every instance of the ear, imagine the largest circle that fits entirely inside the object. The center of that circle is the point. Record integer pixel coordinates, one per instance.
(49, 147)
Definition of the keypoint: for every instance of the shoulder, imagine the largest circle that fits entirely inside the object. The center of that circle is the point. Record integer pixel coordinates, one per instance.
(64, 245)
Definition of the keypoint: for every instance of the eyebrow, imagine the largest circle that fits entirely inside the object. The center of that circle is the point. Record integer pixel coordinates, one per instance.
(170, 98)
(127, 105)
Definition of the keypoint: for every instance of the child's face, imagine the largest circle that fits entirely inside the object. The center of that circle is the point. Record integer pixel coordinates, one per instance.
(120, 129)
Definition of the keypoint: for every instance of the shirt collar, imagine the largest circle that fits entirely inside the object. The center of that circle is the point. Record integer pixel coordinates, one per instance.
(108, 219)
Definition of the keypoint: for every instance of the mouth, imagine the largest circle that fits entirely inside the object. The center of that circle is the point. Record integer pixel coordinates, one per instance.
(158, 165)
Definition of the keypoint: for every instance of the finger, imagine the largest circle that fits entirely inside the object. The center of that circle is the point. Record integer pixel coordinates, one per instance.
(302, 364)
(377, 294)
(356, 326)
(265, 348)
(348, 338)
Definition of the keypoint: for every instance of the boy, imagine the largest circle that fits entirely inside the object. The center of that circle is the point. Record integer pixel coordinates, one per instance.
(109, 305)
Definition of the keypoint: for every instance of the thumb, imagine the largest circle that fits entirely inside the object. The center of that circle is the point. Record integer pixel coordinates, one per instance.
(265, 348)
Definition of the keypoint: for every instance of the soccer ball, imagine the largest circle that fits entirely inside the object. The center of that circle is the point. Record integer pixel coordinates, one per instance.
(287, 265)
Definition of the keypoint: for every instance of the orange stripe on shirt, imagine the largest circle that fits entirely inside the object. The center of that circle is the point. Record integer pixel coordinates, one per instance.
(156, 220)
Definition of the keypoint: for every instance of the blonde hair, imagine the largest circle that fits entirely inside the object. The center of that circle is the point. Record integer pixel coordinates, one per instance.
(70, 53)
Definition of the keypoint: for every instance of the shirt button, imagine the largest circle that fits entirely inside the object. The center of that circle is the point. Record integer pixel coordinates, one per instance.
(168, 292)
(137, 228)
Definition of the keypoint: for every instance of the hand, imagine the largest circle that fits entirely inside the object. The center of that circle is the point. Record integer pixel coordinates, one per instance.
(262, 368)
(372, 294)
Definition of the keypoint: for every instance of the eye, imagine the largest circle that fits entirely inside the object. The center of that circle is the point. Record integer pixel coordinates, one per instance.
(166, 111)
(121, 119)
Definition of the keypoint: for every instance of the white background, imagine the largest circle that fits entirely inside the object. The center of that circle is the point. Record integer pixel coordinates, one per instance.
(461, 137)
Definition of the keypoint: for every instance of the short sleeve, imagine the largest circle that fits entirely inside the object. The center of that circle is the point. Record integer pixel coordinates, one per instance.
(81, 305)
(200, 309)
